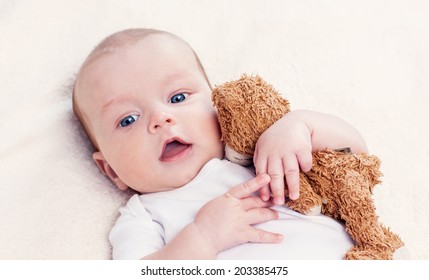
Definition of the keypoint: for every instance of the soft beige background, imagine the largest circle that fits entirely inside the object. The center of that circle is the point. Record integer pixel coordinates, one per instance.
(365, 61)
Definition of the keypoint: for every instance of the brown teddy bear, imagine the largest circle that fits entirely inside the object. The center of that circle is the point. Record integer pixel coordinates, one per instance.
(339, 184)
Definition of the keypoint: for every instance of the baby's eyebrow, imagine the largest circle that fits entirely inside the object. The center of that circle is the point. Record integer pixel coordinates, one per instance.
(114, 102)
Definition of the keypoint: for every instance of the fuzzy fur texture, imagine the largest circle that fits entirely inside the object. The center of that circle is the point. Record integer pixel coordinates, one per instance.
(339, 182)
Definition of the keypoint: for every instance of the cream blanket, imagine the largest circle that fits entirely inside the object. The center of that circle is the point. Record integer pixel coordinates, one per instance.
(364, 61)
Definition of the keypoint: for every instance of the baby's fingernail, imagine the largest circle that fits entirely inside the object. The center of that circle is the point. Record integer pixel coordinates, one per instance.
(278, 201)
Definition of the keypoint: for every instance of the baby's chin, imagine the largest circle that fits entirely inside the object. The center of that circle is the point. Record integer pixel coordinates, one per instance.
(167, 183)
(175, 178)
(184, 179)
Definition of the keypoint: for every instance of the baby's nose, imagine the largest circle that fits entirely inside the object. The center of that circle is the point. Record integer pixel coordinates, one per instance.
(160, 120)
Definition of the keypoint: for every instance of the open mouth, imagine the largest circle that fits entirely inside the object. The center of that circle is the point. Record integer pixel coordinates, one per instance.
(174, 149)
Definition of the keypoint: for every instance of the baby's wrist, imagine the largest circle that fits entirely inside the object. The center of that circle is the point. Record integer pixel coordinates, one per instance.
(204, 238)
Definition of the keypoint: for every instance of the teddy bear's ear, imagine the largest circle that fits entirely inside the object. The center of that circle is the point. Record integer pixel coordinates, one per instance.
(246, 107)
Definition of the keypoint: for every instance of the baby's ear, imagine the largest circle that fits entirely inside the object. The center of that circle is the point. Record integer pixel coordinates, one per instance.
(107, 170)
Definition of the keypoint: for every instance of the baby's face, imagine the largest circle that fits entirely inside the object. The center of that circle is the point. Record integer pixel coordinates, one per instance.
(149, 108)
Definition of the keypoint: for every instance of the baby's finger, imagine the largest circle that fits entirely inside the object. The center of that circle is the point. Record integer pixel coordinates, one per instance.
(277, 185)
(305, 160)
(253, 202)
(260, 215)
(264, 193)
(247, 188)
(260, 163)
(291, 170)
(261, 167)
(261, 236)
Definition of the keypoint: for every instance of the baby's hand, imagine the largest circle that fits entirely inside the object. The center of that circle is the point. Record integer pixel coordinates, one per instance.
(281, 151)
(228, 220)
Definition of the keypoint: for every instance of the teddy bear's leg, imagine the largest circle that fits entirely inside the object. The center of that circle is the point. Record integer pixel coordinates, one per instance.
(369, 167)
(360, 253)
(345, 182)
(309, 202)
(394, 242)
(323, 186)
(357, 209)
(382, 251)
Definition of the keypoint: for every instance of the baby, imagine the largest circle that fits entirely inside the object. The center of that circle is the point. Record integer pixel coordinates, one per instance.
(144, 101)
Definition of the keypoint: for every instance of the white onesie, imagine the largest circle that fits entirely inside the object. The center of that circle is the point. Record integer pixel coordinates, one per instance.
(150, 221)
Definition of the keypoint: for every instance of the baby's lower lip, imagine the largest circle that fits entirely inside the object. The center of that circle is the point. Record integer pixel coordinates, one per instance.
(177, 156)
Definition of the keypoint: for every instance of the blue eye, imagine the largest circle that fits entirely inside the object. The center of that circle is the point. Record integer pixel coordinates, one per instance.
(128, 120)
(177, 98)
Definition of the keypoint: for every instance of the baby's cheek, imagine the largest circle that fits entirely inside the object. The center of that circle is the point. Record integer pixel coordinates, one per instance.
(131, 166)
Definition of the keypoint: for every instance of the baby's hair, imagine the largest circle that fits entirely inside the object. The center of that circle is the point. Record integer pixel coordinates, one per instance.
(124, 38)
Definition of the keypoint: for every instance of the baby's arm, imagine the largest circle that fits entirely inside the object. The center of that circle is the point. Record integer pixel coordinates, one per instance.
(286, 146)
(222, 223)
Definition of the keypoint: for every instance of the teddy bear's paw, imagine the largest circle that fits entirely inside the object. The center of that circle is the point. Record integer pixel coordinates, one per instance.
(315, 210)
(359, 253)
(368, 253)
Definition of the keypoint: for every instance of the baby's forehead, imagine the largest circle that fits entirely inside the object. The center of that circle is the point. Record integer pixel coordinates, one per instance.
(166, 47)
(117, 45)
(151, 41)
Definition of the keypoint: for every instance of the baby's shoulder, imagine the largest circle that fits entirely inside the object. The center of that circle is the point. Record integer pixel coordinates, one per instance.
(133, 207)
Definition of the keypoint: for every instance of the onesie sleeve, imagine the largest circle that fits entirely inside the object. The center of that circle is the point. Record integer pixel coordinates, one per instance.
(135, 234)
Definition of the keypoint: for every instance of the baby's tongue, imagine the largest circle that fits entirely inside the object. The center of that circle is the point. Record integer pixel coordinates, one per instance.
(173, 149)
